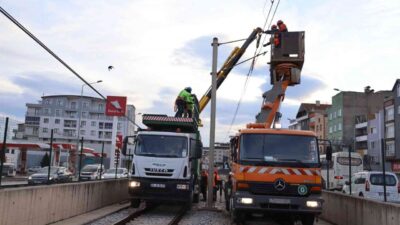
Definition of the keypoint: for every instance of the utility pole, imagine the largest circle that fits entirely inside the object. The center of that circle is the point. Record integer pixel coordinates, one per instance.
(212, 123)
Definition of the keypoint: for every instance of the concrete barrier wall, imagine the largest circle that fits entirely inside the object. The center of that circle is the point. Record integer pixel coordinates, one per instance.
(343, 209)
(47, 204)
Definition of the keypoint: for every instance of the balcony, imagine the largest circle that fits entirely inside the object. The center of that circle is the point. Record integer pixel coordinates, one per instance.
(361, 125)
(361, 138)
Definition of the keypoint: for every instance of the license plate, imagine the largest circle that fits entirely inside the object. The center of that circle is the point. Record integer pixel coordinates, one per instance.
(279, 201)
(157, 185)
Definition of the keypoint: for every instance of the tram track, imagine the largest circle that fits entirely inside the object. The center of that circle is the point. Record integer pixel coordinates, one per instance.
(155, 214)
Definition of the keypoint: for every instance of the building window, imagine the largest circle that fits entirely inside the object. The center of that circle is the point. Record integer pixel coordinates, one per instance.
(73, 105)
(47, 101)
(330, 116)
(372, 144)
(46, 120)
(101, 107)
(334, 114)
(60, 102)
(390, 148)
(334, 128)
(57, 112)
(45, 130)
(389, 130)
(93, 132)
(83, 123)
(108, 125)
(339, 126)
(46, 111)
(83, 132)
(57, 121)
(389, 113)
(119, 125)
(330, 130)
(56, 130)
(339, 113)
(373, 130)
(101, 125)
(93, 123)
(85, 105)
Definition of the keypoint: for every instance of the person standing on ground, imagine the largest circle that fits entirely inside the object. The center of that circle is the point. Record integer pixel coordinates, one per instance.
(203, 184)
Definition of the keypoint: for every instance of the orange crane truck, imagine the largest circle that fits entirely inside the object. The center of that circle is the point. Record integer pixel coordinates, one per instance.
(276, 171)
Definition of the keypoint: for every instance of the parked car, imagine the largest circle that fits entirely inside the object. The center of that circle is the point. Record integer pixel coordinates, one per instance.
(57, 175)
(92, 172)
(34, 169)
(369, 184)
(9, 170)
(110, 173)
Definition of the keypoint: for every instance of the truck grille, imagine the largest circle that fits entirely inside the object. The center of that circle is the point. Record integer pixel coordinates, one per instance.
(158, 172)
(269, 189)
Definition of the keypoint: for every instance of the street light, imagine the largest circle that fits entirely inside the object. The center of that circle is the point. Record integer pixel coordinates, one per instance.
(80, 112)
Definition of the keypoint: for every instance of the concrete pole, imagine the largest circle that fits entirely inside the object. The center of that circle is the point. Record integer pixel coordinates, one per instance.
(212, 122)
(113, 141)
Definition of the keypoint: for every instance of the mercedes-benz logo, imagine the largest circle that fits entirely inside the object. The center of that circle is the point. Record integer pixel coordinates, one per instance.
(279, 184)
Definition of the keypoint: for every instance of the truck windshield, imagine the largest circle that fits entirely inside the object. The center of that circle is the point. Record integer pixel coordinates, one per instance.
(161, 146)
(273, 149)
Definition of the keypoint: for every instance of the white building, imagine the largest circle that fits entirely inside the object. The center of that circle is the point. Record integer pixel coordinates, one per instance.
(61, 113)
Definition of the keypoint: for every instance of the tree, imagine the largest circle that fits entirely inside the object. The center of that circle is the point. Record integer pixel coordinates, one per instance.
(45, 160)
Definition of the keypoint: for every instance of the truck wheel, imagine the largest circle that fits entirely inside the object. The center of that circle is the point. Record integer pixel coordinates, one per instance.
(135, 203)
(307, 219)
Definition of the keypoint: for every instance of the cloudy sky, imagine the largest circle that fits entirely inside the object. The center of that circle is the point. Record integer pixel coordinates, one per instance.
(159, 47)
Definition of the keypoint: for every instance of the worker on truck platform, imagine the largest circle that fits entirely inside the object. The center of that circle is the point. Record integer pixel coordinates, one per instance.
(182, 102)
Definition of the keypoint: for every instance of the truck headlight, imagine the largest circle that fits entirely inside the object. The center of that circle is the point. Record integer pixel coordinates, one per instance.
(182, 186)
(29, 178)
(134, 184)
(246, 201)
(312, 204)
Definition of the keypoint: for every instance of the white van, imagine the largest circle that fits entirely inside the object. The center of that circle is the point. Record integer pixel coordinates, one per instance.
(369, 184)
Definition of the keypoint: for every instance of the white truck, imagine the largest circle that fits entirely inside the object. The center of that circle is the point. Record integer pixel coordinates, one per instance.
(165, 160)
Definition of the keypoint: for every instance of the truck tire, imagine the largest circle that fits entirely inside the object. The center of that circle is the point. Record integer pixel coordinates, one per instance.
(307, 219)
(135, 203)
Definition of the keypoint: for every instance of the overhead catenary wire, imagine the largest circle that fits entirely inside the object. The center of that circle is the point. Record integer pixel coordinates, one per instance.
(253, 62)
(19, 25)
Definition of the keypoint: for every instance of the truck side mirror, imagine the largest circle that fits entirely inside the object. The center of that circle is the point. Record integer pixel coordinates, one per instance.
(199, 150)
(328, 153)
(127, 140)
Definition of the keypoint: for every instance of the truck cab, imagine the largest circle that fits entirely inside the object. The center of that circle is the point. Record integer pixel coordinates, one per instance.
(276, 172)
(165, 162)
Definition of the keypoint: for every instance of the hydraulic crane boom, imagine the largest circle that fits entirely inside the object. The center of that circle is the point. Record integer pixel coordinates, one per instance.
(286, 64)
(228, 65)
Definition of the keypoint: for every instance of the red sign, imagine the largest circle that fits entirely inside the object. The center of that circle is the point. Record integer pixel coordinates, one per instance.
(396, 166)
(116, 106)
(118, 143)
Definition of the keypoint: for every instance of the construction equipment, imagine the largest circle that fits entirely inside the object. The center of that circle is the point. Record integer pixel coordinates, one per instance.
(166, 156)
(276, 171)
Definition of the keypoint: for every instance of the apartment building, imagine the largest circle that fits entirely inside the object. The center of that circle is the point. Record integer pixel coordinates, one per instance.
(311, 116)
(348, 117)
(61, 113)
(391, 128)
